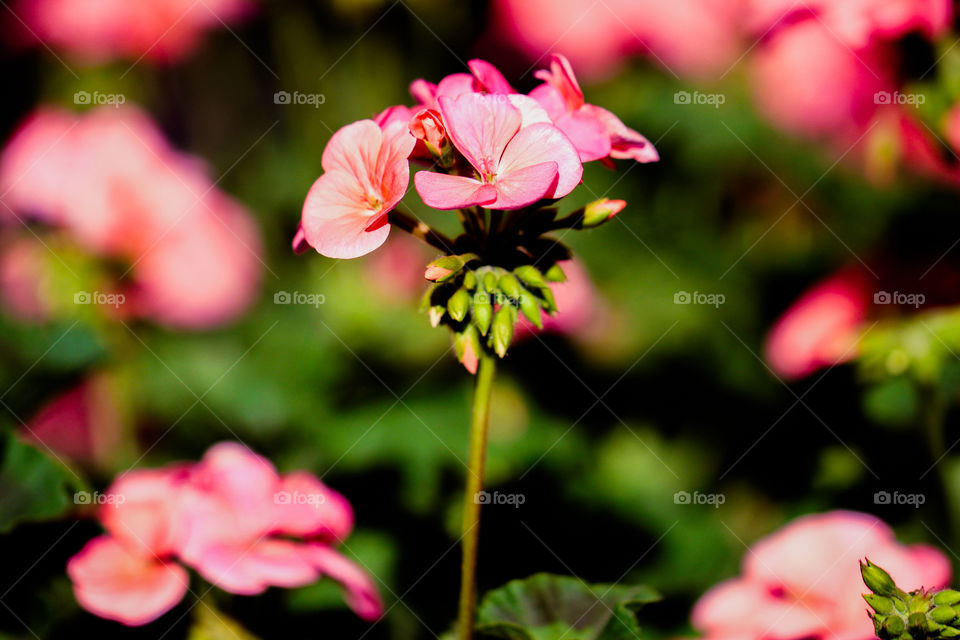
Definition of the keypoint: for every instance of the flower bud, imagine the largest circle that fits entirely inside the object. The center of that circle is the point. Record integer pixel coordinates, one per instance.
(555, 274)
(502, 330)
(510, 287)
(470, 280)
(436, 315)
(599, 211)
(877, 580)
(943, 614)
(549, 302)
(467, 347)
(947, 596)
(530, 308)
(530, 275)
(427, 125)
(482, 311)
(446, 267)
(459, 304)
(490, 281)
(893, 626)
(880, 604)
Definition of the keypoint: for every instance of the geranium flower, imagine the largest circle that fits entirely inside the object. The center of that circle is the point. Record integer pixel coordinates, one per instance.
(516, 165)
(366, 173)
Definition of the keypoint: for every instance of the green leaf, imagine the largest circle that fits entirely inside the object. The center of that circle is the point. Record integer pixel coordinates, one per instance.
(32, 486)
(546, 606)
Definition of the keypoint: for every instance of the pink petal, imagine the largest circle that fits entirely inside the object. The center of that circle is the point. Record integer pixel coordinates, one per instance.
(299, 243)
(249, 569)
(454, 85)
(360, 590)
(588, 134)
(489, 77)
(561, 77)
(425, 93)
(524, 186)
(550, 98)
(442, 191)
(112, 583)
(388, 116)
(305, 507)
(541, 143)
(480, 126)
(336, 215)
(626, 143)
(141, 508)
(531, 111)
(354, 150)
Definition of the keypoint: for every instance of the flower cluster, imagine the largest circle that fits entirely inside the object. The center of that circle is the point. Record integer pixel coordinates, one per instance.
(499, 157)
(231, 517)
(918, 615)
(109, 183)
(803, 582)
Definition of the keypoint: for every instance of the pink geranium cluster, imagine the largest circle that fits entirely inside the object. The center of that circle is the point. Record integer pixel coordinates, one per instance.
(486, 145)
(803, 581)
(100, 30)
(113, 185)
(230, 517)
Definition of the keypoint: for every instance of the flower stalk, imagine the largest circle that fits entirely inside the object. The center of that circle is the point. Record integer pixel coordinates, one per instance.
(479, 428)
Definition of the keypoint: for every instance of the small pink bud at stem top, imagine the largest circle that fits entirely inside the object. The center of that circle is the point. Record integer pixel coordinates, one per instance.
(600, 211)
(427, 125)
(435, 273)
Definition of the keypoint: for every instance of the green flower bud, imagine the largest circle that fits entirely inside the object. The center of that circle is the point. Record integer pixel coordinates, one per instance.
(599, 211)
(947, 596)
(549, 302)
(436, 315)
(880, 604)
(530, 275)
(490, 281)
(459, 304)
(531, 308)
(467, 347)
(482, 311)
(893, 626)
(470, 280)
(943, 613)
(917, 624)
(555, 274)
(442, 269)
(877, 580)
(510, 287)
(502, 329)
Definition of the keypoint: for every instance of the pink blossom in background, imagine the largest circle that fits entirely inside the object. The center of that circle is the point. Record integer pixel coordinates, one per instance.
(96, 31)
(231, 517)
(395, 272)
(803, 581)
(111, 181)
(578, 305)
(517, 165)
(822, 327)
(84, 424)
(366, 173)
(25, 279)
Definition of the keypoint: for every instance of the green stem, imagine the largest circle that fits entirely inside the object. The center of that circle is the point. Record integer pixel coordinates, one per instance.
(479, 425)
(420, 229)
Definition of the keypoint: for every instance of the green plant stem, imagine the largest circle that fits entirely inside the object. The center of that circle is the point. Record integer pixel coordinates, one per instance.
(419, 229)
(479, 426)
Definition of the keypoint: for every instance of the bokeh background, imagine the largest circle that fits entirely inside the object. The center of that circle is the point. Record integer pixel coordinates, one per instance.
(779, 167)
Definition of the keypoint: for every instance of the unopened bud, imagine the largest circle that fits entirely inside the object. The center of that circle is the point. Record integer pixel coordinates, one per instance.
(947, 596)
(467, 346)
(599, 211)
(436, 315)
(530, 275)
(470, 281)
(502, 330)
(877, 580)
(893, 626)
(482, 311)
(880, 604)
(427, 125)
(490, 281)
(555, 274)
(943, 614)
(459, 304)
(510, 287)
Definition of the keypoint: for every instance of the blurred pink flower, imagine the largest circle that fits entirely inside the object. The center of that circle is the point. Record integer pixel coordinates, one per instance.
(113, 183)
(821, 328)
(366, 173)
(803, 581)
(594, 131)
(697, 37)
(84, 424)
(517, 165)
(395, 272)
(25, 279)
(96, 31)
(233, 519)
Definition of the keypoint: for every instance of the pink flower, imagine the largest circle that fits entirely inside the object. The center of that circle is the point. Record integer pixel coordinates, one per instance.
(821, 328)
(517, 165)
(112, 183)
(803, 581)
(594, 131)
(233, 519)
(366, 173)
(97, 31)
